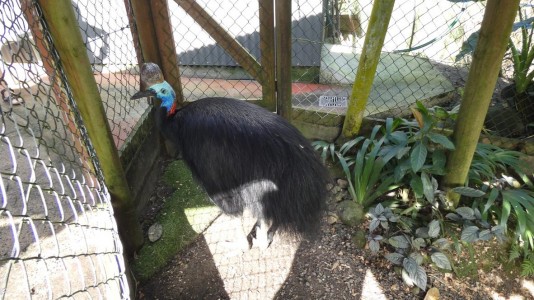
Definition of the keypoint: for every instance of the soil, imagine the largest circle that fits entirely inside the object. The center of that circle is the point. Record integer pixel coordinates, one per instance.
(330, 267)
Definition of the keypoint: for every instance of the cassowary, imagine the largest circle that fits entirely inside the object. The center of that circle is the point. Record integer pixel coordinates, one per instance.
(245, 158)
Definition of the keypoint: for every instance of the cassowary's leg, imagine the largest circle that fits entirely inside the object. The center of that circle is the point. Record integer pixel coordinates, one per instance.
(253, 235)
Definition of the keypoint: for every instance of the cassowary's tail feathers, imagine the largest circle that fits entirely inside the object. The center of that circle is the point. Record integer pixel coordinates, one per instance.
(298, 207)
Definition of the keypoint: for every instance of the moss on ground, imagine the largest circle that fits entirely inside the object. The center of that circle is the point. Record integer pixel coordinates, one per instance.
(178, 231)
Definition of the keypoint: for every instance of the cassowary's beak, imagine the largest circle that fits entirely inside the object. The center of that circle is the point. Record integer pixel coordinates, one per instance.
(143, 94)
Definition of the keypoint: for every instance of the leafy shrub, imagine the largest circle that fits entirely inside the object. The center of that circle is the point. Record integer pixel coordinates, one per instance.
(365, 170)
(416, 228)
(412, 247)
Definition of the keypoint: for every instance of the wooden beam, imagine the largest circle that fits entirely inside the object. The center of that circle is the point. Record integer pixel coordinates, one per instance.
(166, 46)
(146, 32)
(267, 48)
(283, 57)
(223, 38)
(69, 44)
(57, 95)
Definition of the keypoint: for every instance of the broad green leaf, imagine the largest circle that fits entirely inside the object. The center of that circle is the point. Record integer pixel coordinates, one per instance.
(403, 152)
(469, 192)
(428, 187)
(406, 278)
(418, 156)
(399, 241)
(441, 260)
(454, 217)
(417, 257)
(373, 225)
(433, 228)
(441, 139)
(417, 186)
(422, 232)
(399, 137)
(491, 199)
(379, 209)
(416, 273)
(466, 212)
(485, 235)
(497, 230)
(441, 243)
(374, 246)
(470, 234)
(439, 159)
(395, 258)
(418, 243)
(410, 265)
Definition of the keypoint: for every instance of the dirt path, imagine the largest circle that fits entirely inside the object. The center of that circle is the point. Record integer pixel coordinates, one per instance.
(218, 265)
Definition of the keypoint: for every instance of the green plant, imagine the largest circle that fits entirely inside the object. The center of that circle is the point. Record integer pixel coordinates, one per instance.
(523, 55)
(397, 153)
(497, 200)
(490, 161)
(506, 205)
(474, 228)
(501, 192)
(420, 152)
(526, 256)
(365, 170)
(412, 246)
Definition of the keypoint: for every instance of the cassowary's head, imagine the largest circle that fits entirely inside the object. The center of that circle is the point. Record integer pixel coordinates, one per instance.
(154, 85)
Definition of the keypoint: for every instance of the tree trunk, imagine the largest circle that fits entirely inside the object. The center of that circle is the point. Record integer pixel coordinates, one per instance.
(372, 47)
(494, 34)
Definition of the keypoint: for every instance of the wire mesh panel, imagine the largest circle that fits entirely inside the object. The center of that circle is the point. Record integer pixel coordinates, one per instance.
(58, 237)
(106, 32)
(207, 70)
(426, 56)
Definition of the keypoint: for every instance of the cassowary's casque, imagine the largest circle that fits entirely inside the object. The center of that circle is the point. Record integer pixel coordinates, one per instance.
(245, 157)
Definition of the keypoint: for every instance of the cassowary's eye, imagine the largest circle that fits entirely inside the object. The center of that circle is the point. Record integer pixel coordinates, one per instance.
(163, 91)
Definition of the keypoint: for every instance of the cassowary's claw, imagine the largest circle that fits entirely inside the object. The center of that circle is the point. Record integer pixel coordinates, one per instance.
(252, 234)
(270, 235)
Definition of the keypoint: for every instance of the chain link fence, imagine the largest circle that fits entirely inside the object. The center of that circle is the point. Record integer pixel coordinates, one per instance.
(57, 234)
(58, 237)
(426, 57)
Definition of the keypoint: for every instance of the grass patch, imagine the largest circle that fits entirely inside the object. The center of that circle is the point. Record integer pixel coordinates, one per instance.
(484, 257)
(178, 231)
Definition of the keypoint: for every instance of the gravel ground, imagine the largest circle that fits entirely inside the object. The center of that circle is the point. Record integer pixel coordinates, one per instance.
(218, 265)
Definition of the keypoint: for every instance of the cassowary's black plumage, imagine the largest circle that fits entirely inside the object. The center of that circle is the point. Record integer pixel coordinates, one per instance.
(246, 157)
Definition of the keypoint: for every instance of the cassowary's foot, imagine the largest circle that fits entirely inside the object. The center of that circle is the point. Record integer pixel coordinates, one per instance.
(264, 239)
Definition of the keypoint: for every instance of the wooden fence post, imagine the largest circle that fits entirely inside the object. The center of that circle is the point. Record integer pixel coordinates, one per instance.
(68, 42)
(283, 58)
(267, 48)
